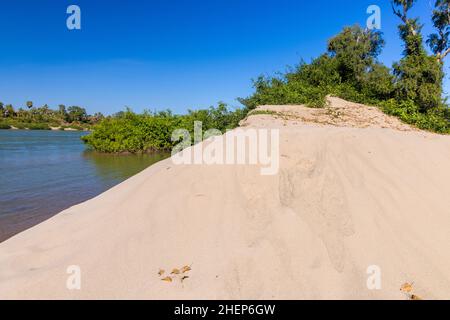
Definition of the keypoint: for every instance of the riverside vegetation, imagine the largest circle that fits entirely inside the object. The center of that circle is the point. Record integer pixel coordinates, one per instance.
(44, 118)
(412, 89)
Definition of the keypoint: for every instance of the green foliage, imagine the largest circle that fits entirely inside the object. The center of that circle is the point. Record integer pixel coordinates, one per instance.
(377, 83)
(348, 92)
(321, 72)
(410, 29)
(349, 70)
(355, 51)
(439, 41)
(76, 113)
(9, 123)
(419, 78)
(284, 91)
(4, 126)
(219, 118)
(42, 118)
(131, 132)
(418, 75)
(409, 112)
(38, 126)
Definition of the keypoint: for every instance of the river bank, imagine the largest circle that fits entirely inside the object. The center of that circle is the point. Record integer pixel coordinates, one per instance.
(39, 126)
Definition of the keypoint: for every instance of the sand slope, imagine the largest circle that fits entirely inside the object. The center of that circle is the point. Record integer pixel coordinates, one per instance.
(349, 194)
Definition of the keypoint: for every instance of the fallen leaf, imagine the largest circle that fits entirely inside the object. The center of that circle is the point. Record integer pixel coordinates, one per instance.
(406, 287)
(185, 269)
(175, 271)
(184, 278)
(167, 279)
(161, 272)
(414, 297)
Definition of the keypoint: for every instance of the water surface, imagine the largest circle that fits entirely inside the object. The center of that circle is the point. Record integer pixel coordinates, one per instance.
(44, 172)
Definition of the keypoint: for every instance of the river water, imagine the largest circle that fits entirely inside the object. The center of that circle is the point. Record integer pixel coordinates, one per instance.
(44, 172)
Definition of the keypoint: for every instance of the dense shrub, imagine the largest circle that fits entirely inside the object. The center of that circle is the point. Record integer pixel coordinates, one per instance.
(434, 120)
(273, 91)
(4, 126)
(355, 50)
(131, 132)
(42, 118)
(419, 78)
(321, 72)
(37, 126)
(377, 83)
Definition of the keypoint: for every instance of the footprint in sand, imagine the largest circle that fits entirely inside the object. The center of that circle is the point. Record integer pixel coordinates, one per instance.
(314, 192)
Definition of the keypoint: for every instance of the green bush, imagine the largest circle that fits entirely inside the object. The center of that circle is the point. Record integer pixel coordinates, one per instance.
(4, 126)
(37, 126)
(20, 125)
(276, 91)
(321, 72)
(409, 112)
(135, 133)
(419, 78)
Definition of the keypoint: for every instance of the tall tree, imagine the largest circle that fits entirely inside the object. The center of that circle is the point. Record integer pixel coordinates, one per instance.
(439, 42)
(76, 113)
(411, 29)
(355, 51)
(62, 112)
(419, 76)
(9, 111)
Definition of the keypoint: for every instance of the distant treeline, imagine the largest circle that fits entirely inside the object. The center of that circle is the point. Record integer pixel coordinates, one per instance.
(43, 118)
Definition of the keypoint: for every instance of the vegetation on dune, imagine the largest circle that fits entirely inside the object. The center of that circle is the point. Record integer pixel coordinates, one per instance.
(43, 118)
(411, 90)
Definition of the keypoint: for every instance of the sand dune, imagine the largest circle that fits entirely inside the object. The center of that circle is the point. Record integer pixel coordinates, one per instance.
(355, 189)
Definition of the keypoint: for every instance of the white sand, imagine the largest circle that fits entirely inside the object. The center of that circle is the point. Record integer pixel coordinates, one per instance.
(345, 198)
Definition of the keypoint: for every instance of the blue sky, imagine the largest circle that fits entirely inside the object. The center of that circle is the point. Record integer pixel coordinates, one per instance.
(159, 54)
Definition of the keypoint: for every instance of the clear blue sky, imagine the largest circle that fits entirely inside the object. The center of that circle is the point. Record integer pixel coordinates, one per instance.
(159, 54)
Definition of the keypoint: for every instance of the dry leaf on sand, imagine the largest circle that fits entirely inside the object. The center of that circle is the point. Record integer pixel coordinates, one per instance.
(406, 287)
(185, 269)
(175, 271)
(167, 279)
